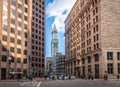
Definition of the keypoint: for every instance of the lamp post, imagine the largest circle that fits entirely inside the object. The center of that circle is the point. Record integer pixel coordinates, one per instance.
(9, 62)
(29, 60)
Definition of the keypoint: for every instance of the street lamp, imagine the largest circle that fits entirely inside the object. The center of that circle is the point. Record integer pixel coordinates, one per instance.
(29, 60)
(9, 60)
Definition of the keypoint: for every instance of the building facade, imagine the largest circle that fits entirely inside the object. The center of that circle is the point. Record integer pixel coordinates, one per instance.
(48, 69)
(22, 38)
(54, 42)
(96, 25)
(14, 30)
(60, 64)
(37, 39)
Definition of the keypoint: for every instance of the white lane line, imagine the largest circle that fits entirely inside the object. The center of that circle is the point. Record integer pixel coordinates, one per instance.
(39, 84)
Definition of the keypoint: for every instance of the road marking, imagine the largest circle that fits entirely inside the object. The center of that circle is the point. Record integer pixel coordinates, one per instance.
(39, 84)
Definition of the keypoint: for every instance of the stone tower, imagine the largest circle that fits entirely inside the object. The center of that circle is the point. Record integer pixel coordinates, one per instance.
(54, 42)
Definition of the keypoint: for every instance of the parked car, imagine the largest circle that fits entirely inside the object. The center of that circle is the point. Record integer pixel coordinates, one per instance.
(73, 77)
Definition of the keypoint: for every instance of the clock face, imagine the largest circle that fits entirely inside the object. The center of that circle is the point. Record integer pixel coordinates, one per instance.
(55, 45)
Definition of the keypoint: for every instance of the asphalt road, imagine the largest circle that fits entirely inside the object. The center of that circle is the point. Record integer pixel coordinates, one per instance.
(64, 83)
(19, 84)
(81, 83)
(9, 84)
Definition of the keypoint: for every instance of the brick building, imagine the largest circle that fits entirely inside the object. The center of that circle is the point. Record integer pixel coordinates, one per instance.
(92, 35)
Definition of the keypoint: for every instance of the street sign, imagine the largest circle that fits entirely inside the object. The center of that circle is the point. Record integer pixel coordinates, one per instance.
(15, 73)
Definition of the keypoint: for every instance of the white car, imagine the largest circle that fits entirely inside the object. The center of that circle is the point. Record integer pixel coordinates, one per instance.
(73, 77)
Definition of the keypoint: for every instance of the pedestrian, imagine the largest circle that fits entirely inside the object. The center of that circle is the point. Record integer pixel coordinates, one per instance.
(118, 77)
(105, 76)
(69, 77)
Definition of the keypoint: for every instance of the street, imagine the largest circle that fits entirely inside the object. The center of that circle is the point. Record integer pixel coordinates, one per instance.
(64, 83)
(81, 83)
(19, 84)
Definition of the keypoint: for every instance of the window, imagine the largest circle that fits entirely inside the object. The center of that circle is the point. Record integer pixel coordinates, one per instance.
(96, 57)
(26, 10)
(19, 51)
(4, 37)
(119, 68)
(18, 60)
(26, 1)
(96, 9)
(12, 59)
(89, 59)
(12, 11)
(12, 30)
(83, 61)
(12, 21)
(4, 48)
(19, 6)
(110, 55)
(11, 49)
(19, 15)
(32, 64)
(5, 8)
(4, 17)
(12, 40)
(96, 18)
(4, 27)
(25, 26)
(25, 60)
(19, 42)
(89, 68)
(25, 43)
(118, 55)
(110, 68)
(25, 52)
(19, 24)
(25, 34)
(19, 32)
(25, 18)
(13, 2)
(4, 58)
(93, 12)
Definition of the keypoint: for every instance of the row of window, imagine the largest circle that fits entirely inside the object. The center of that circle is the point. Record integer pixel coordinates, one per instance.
(4, 38)
(19, 23)
(36, 37)
(36, 53)
(110, 68)
(110, 55)
(88, 34)
(4, 59)
(12, 49)
(37, 65)
(96, 59)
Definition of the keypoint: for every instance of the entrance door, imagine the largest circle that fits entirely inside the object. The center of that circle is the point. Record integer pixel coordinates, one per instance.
(96, 70)
(3, 73)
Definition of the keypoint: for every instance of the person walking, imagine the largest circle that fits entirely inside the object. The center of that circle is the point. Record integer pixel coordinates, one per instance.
(105, 76)
(118, 77)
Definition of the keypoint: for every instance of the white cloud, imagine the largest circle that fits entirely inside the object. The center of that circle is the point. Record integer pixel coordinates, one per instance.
(59, 9)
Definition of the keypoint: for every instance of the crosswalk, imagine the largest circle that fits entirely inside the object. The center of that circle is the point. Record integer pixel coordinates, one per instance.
(29, 84)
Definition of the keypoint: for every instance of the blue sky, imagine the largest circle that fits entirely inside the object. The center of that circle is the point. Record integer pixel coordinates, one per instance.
(56, 13)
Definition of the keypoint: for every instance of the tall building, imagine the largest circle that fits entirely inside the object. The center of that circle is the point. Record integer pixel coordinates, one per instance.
(37, 37)
(60, 64)
(54, 42)
(92, 32)
(14, 31)
(48, 66)
(22, 37)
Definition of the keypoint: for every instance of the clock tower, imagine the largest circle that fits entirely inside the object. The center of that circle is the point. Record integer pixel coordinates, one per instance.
(54, 42)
